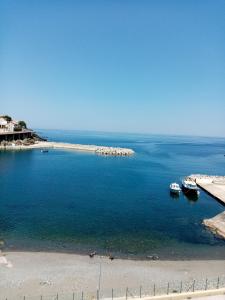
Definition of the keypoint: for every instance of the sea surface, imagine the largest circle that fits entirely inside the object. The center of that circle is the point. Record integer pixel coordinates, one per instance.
(80, 202)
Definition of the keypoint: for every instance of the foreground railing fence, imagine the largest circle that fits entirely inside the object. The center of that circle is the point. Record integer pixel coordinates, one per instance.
(153, 289)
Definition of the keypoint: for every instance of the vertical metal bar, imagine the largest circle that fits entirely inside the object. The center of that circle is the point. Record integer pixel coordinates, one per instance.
(57, 297)
(112, 294)
(193, 288)
(181, 286)
(154, 289)
(100, 275)
(41, 297)
(73, 296)
(97, 295)
(140, 291)
(206, 284)
(24, 297)
(218, 283)
(82, 295)
(168, 288)
(126, 292)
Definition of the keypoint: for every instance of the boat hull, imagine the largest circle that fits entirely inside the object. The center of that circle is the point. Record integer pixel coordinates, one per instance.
(174, 191)
(188, 191)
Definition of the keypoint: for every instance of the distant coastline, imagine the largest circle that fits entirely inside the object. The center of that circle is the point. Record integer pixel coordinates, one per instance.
(14, 135)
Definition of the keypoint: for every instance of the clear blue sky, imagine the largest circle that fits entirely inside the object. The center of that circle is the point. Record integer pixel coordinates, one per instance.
(154, 66)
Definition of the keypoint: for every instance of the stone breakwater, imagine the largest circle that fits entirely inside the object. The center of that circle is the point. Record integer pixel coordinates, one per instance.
(216, 224)
(103, 150)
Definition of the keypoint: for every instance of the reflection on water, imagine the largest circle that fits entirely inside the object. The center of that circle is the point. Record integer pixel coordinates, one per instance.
(174, 195)
(192, 197)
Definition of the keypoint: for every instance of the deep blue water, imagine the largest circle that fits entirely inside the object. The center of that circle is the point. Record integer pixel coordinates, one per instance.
(79, 202)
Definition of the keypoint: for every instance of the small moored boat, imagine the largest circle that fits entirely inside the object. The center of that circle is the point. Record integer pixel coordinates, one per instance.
(175, 188)
(44, 150)
(190, 187)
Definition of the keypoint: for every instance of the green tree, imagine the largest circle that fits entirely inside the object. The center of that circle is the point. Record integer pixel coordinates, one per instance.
(22, 124)
(7, 118)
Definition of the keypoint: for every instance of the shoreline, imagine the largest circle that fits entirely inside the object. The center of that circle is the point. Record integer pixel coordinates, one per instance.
(105, 150)
(42, 273)
(171, 254)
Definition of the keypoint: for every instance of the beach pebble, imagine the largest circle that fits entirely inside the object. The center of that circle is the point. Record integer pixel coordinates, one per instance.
(9, 265)
(3, 260)
(111, 257)
(152, 257)
(92, 254)
(45, 283)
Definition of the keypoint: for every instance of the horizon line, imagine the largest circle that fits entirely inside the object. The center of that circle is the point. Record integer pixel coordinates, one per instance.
(130, 132)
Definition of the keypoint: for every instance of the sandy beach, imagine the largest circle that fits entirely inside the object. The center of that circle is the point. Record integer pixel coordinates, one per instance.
(39, 273)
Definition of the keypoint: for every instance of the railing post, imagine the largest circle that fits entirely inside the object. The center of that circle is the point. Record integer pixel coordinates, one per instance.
(57, 296)
(193, 289)
(168, 288)
(73, 296)
(82, 295)
(181, 286)
(218, 283)
(97, 295)
(112, 294)
(154, 289)
(41, 297)
(206, 284)
(126, 293)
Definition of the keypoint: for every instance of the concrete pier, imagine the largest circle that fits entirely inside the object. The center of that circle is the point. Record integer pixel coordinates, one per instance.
(213, 185)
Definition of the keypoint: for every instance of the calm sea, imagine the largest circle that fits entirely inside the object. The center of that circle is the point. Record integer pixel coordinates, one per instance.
(80, 202)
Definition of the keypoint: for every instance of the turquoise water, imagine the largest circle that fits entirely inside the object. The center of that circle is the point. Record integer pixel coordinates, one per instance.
(79, 202)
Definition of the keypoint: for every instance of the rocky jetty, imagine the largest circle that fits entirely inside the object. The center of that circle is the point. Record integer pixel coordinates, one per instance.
(102, 150)
(114, 151)
(216, 224)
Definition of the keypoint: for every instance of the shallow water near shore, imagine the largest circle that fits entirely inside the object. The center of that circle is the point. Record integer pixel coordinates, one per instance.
(79, 202)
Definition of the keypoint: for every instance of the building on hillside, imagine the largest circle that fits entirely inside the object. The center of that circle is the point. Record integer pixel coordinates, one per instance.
(11, 130)
(3, 125)
(8, 126)
(12, 125)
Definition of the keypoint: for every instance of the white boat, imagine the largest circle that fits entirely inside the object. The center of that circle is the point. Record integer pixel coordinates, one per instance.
(44, 150)
(190, 187)
(175, 188)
